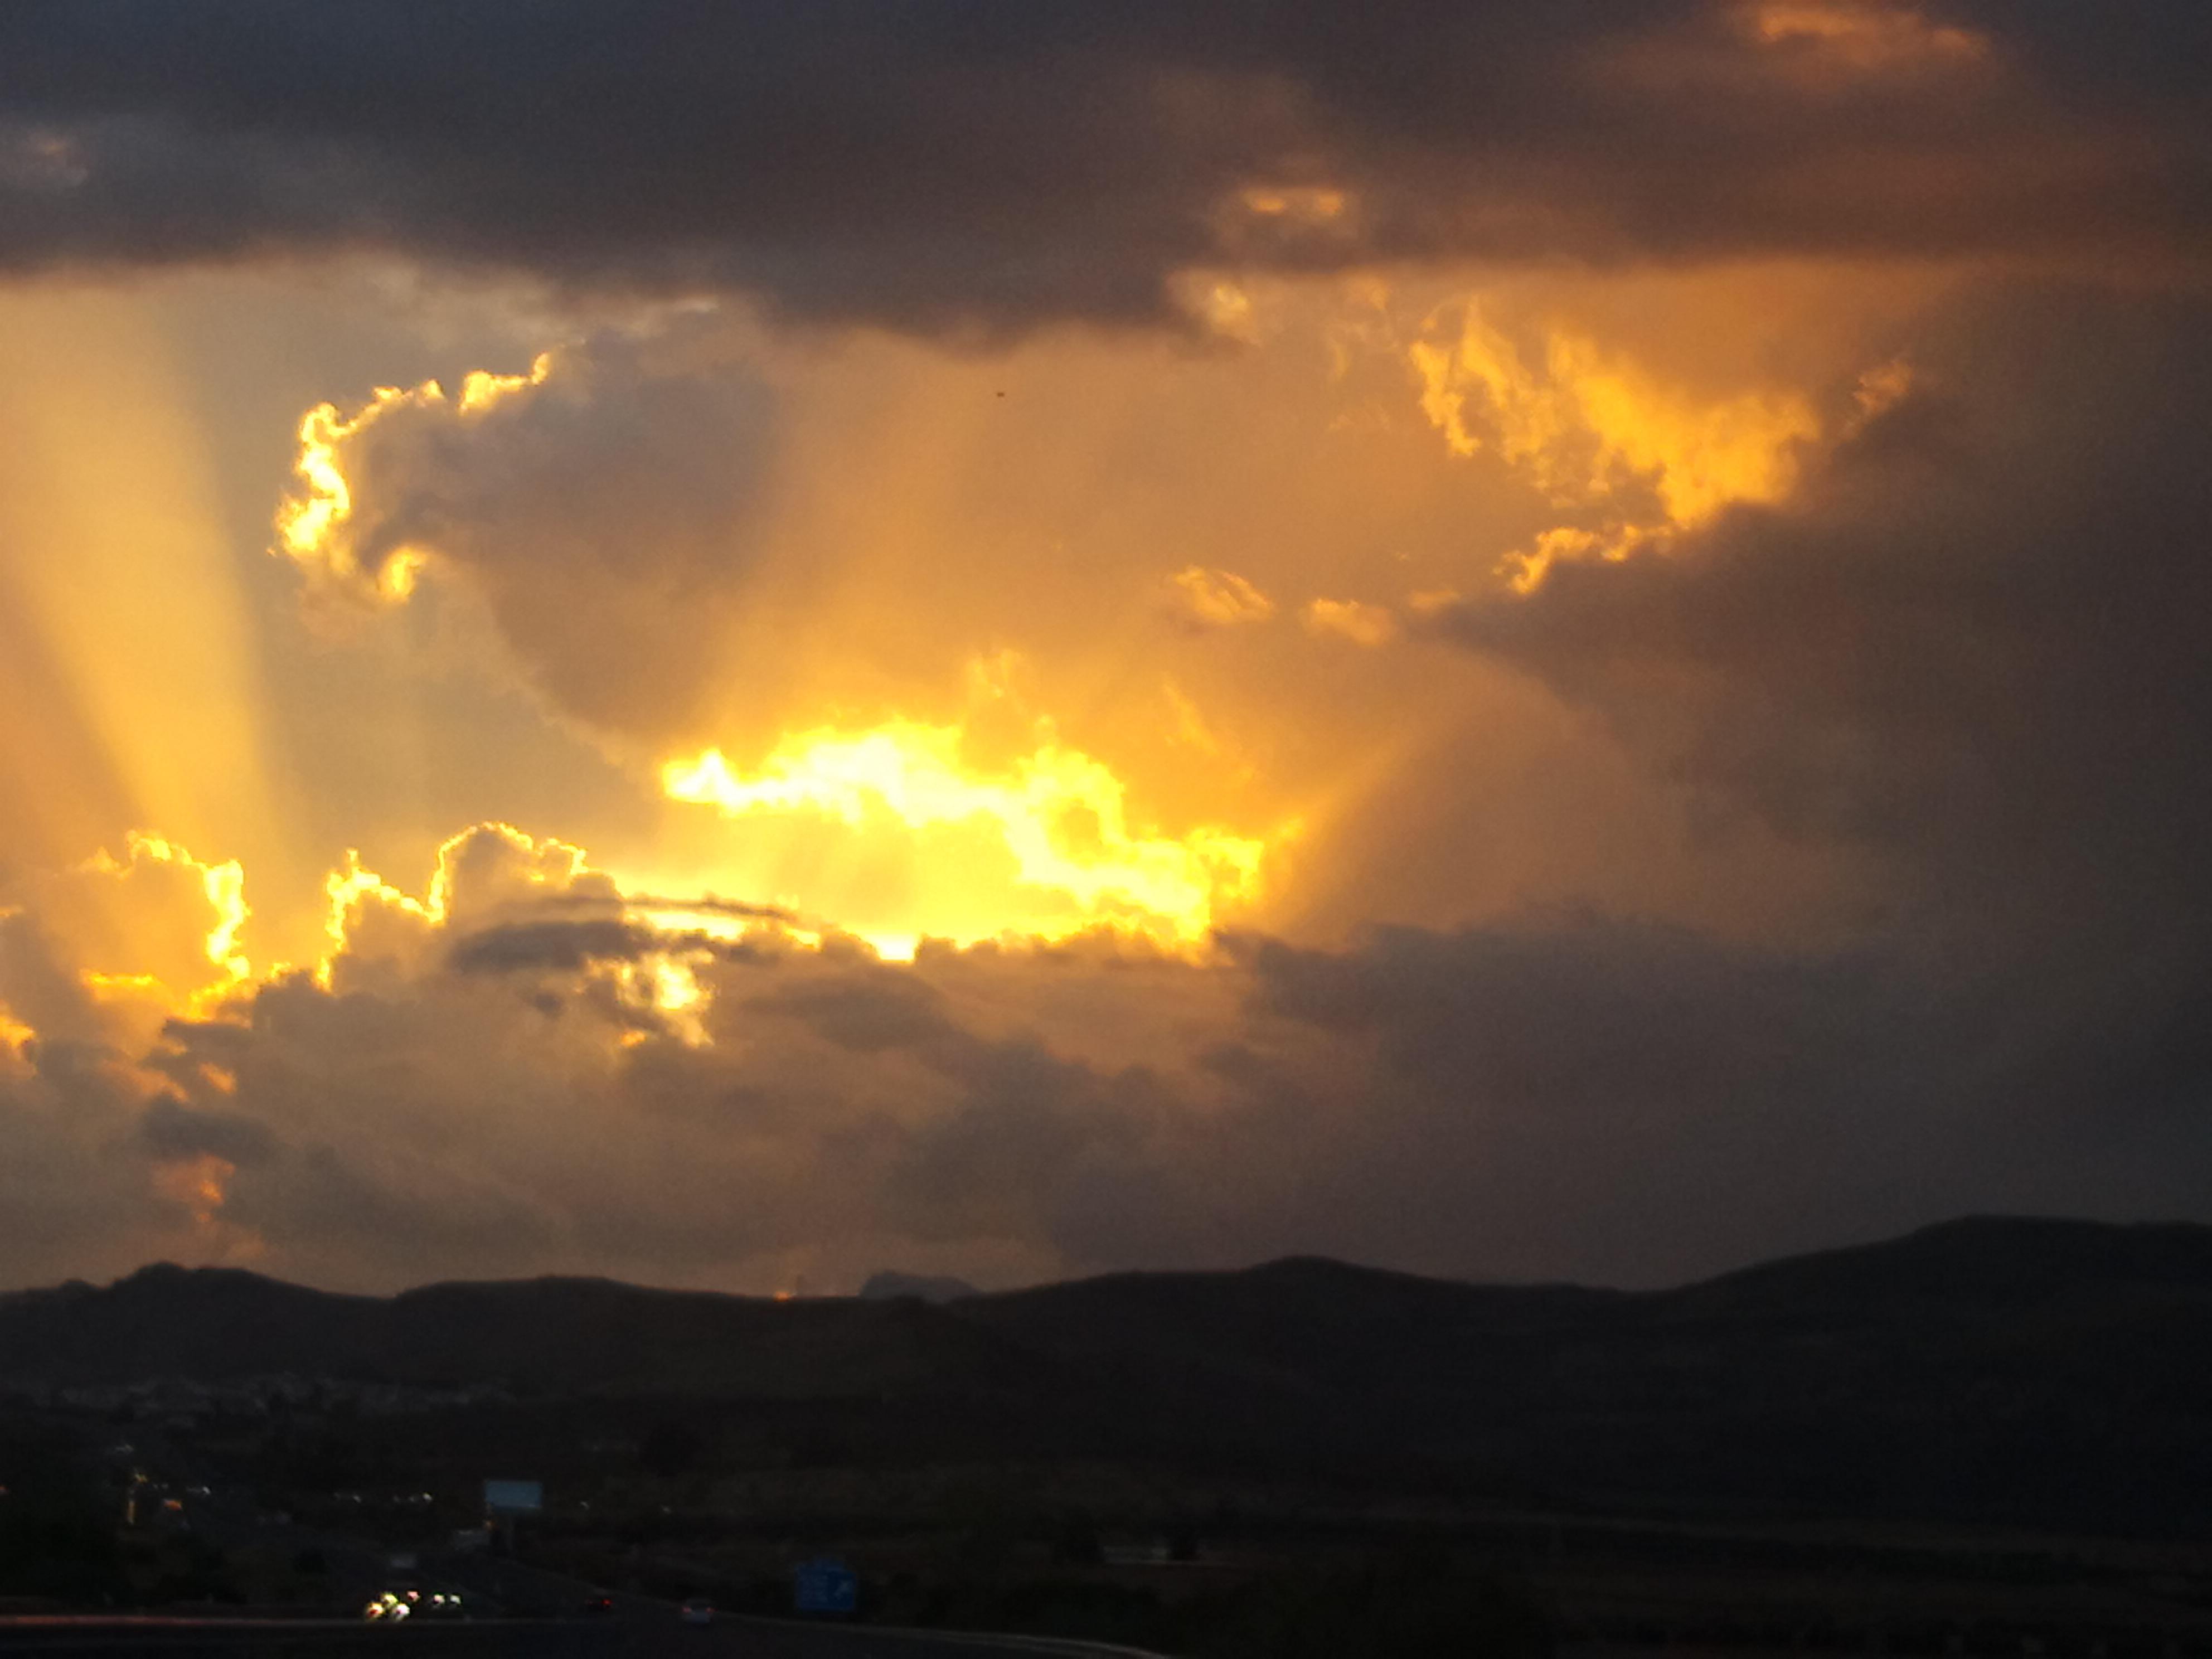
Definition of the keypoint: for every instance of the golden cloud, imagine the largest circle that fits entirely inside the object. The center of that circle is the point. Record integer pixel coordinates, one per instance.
(1052, 849)
(1202, 598)
(1591, 429)
(158, 925)
(1363, 624)
(316, 526)
(1862, 35)
(482, 875)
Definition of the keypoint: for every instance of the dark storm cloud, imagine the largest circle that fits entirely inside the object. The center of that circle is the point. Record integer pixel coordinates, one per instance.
(1976, 636)
(565, 932)
(37, 985)
(590, 508)
(708, 905)
(998, 163)
(1614, 1100)
(2166, 48)
(881, 1008)
(67, 1203)
(565, 946)
(1568, 1097)
(325, 1200)
(1974, 647)
(171, 1130)
(562, 944)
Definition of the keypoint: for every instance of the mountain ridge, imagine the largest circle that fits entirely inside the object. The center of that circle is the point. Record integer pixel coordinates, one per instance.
(1993, 1257)
(1994, 1366)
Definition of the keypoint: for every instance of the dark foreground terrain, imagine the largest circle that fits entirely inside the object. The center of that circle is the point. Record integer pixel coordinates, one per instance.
(1991, 1439)
(247, 1638)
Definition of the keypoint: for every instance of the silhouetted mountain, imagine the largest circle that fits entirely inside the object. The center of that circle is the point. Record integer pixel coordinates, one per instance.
(882, 1287)
(541, 1336)
(2041, 1371)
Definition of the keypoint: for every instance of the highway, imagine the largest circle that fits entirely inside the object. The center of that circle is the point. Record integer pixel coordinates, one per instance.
(534, 1613)
(629, 1635)
(517, 1610)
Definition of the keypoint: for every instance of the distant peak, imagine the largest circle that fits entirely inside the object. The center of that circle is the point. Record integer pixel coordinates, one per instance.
(1328, 1267)
(889, 1287)
(155, 1272)
(163, 1274)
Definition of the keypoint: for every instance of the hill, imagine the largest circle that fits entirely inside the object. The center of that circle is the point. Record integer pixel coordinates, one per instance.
(2056, 1372)
(542, 1337)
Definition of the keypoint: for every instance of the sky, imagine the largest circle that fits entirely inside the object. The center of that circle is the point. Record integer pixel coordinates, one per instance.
(736, 645)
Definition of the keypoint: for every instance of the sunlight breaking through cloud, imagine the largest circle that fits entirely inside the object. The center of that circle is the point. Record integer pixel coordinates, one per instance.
(1060, 816)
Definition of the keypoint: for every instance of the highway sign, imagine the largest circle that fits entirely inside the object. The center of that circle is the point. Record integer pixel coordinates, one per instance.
(826, 1584)
(515, 1497)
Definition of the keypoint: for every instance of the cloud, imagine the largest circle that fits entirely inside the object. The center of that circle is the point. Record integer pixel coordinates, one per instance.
(490, 892)
(103, 950)
(598, 504)
(1971, 649)
(530, 1069)
(73, 1200)
(106, 904)
(1903, 598)
(1201, 598)
(566, 944)
(1584, 425)
(1612, 1100)
(1597, 433)
(863, 163)
(1043, 843)
(867, 1009)
(1863, 38)
(1370, 625)
(174, 1133)
(1013, 510)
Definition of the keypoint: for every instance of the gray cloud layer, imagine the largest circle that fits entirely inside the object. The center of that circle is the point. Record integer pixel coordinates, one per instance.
(591, 511)
(1973, 647)
(999, 163)
(1974, 640)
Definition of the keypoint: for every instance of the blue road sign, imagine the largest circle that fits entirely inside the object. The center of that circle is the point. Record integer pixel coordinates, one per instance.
(826, 1584)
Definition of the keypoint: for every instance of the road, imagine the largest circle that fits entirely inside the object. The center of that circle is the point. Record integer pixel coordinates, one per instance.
(357, 1568)
(533, 1613)
(540, 1624)
(627, 1636)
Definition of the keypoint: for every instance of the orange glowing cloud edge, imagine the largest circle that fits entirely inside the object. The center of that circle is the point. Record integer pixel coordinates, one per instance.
(312, 524)
(223, 885)
(1575, 423)
(1638, 461)
(199, 1184)
(1060, 816)
(362, 909)
(1061, 822)
(1582, 421)
(1061, 813)
(1866, 35)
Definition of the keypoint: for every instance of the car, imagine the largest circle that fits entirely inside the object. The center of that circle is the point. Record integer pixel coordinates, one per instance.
(599, 1606)
(403, 1603)
(698, 1610)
